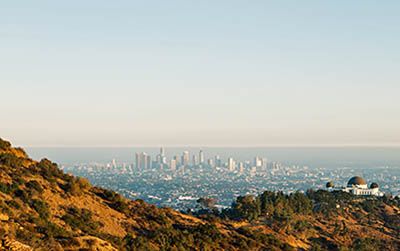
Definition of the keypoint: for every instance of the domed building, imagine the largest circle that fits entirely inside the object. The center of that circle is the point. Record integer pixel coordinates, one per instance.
(330, 185)
(358, 186)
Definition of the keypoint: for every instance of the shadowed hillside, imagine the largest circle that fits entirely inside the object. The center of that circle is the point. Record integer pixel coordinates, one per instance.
(42, 208)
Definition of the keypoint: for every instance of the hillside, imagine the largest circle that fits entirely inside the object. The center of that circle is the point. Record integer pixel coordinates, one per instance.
(42, 208)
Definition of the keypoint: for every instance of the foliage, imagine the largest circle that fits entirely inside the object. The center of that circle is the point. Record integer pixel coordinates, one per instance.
(207, 202)
(41, 208)
(4, 145)
(8, 188)
(274, 205)
(80, 218)
(34, 186)
(77, 186)
(115, 200)
(367, 244)
(50, 171)
(9, 159)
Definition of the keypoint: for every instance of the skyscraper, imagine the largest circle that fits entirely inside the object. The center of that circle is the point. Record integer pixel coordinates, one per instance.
(218, 161)
(161, 159)
(201, 157)
(211, 162)
(231, 165)
(176, 158)
(147, 162)
(137, 160)
(264, 164)
(194, 160)
(143, 161)
(185, 158)
(241, 167)
(173, 164)
(257, 162)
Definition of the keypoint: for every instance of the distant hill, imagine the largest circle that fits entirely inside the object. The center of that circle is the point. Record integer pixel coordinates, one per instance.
(42, 208)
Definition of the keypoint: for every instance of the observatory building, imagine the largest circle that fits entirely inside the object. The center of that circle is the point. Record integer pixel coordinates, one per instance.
(358, 186)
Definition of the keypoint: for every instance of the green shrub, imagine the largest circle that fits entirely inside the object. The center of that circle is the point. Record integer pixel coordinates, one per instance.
(14, 204)
(23, 195)
(41, 208)
(77, 186)
(50, 170)
(4, 145)
(80, 219)
(367, 244)
(51, 230)
(11, 160)
(35, 186)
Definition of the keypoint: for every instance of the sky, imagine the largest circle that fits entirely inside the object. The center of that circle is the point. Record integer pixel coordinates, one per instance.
(200, 73)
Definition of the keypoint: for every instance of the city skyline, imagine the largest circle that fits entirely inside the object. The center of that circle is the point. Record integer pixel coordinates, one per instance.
(224, 73)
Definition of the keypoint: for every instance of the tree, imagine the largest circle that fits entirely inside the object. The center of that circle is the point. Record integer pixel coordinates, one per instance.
(208, 203)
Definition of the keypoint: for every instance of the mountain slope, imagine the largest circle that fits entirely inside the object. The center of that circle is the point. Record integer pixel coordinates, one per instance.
(42, 208)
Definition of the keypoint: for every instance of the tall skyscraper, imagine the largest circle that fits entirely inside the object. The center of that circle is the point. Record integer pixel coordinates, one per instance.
(176, 158)
(143, 161)
(257, 162)
(161, 159)
(148, 162)
(201, 157)
(185, 158)
(211, 162)
(137, 160)
(231, 165)
(218, 162)
(264, 164)
(194, 160)
(173, 164)
(241, 167)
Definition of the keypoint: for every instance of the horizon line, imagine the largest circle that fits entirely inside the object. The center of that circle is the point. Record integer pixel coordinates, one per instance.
(395, 145)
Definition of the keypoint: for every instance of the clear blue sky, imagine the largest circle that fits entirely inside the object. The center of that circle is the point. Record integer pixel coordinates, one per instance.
(226, 73)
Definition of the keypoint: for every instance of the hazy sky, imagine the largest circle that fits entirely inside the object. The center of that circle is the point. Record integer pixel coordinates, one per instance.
(226, 73)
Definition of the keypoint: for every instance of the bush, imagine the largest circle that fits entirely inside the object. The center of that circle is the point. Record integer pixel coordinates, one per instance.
(22, 194)
(50, 170)
(35, 186)
(80, 219)
(367, 244)
(41, 208)
(8, 189)
(13, 203)
(4, 145)
(77, 186)
(11, 160)
(51, 230)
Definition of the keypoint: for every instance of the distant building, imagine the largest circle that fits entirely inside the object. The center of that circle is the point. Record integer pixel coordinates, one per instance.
(194, 160)
(210, 162)
(160, 158)
(357, 186)
(176, 158)
(231, 165)
(257, 162)
(218, 162)
(185, 158)
(241, 167)
(173, 164)
(143, 161)
(201, 157)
